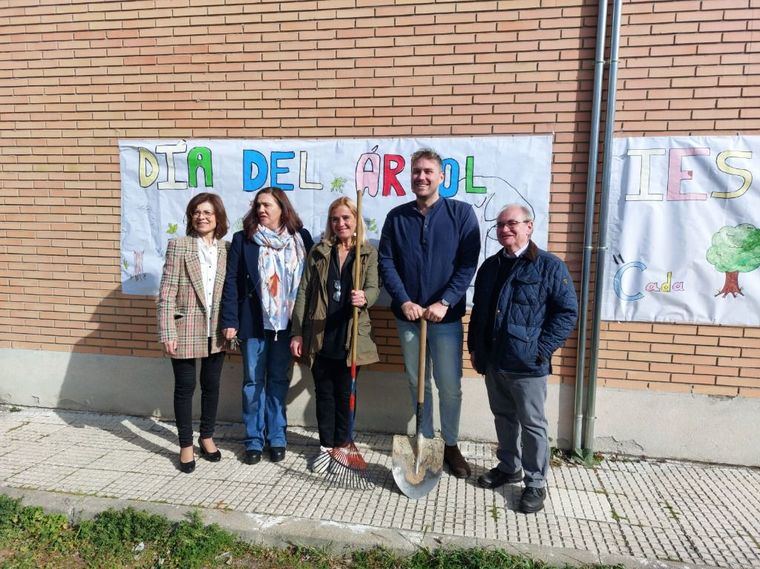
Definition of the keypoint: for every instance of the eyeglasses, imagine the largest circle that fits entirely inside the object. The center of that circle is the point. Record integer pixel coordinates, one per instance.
(203, 213)
(336, 292)
(512, 223)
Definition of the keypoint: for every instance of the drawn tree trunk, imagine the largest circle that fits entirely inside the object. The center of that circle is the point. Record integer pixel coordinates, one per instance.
(731, 286)
(734, 250)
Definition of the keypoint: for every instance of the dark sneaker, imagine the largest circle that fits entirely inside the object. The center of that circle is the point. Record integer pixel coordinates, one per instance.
(455, 461)
(495, 478)
(276, 454)
(252, 456)
(532, 500)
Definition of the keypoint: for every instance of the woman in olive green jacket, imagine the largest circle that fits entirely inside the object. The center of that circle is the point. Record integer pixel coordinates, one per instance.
(321, 321)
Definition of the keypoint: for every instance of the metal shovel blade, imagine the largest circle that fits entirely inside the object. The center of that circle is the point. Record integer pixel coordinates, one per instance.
(417, 464)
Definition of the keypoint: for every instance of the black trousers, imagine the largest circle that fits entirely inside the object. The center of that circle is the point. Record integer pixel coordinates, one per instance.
(184, 387)
(332, 383)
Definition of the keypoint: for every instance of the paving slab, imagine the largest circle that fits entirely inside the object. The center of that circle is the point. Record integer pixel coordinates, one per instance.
(637, 512)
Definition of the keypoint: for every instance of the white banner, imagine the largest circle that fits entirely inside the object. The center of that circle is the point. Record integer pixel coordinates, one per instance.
(684, 243)
(158, 178)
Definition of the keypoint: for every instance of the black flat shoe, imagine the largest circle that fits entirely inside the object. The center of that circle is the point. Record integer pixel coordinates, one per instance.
(532, 500)
(276, 454)
(187, 467)
(495, 478)
(252, 456)
(215, 456)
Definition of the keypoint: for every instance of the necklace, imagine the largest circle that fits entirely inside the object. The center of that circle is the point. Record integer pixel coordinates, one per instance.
(336, 282)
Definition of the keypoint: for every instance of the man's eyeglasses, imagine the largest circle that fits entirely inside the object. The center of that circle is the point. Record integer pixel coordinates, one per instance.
(337, 291)
(512, 223)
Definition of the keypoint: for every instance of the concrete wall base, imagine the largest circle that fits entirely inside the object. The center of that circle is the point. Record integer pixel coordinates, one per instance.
(684, 426)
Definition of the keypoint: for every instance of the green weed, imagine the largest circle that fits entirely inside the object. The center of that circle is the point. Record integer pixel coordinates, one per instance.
(564, 457)
(194, 545)
(617, 517)
(494, 510)
(48, 531)
(585, 458)
(672, 512)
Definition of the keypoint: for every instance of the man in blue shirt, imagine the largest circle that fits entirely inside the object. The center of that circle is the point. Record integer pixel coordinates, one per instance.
(428, 256)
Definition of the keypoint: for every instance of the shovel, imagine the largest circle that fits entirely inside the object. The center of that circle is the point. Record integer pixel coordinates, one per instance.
(418, 461)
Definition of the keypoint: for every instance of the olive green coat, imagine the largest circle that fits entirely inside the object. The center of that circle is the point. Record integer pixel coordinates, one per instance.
(310, 311)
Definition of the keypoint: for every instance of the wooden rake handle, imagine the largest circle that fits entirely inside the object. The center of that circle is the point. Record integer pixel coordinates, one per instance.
(357, 284)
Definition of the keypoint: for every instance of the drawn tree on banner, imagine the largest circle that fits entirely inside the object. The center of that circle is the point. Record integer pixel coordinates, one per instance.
(488, 207)
(734, 250)
(337, 184)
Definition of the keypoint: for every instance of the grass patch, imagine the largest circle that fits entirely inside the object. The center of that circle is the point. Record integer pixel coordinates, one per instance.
(128, 538)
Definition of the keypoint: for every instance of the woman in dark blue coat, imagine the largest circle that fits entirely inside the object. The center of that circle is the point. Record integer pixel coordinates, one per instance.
(264, 268)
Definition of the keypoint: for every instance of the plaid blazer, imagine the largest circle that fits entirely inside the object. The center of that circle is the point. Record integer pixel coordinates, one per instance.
(182, 310)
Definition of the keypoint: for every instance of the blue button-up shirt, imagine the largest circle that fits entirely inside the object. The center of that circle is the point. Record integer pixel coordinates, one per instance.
(428, 258)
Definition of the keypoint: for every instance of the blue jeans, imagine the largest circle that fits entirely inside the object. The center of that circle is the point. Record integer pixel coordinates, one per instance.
(444, 352)
(266, 379)
(517, 404)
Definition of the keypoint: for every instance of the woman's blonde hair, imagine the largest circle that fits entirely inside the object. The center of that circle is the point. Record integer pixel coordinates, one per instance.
(329, 235)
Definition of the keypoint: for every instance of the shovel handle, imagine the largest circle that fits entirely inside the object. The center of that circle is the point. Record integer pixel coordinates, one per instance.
(421, 374)
(421, 362)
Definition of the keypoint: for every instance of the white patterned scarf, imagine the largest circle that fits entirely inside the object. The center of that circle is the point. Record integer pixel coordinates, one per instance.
(281, 261)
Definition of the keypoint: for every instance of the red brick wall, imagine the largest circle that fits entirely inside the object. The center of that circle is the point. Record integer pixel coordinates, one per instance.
(75, 77)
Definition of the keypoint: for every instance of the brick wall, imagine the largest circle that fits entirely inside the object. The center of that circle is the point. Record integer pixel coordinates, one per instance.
(687, 67)
(76, 76)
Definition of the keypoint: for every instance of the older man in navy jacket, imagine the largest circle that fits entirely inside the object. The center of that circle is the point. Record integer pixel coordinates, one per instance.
(429, 251)
(524, 308)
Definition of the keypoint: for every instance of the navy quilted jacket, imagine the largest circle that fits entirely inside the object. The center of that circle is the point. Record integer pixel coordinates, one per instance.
(536, 313)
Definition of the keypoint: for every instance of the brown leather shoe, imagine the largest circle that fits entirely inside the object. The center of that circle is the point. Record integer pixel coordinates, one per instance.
(455, 461)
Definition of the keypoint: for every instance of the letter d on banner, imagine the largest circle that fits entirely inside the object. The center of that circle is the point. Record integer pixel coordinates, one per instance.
(251, 159)
(147, 159)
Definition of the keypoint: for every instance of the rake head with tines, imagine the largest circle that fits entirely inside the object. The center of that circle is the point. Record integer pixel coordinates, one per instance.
(342, 466)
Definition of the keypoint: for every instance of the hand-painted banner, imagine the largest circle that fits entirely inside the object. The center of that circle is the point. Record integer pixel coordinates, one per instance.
(684, 236)
(158, 178)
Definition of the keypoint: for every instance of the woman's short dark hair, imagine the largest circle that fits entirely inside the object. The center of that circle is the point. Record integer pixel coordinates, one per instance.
(289, 217)
(222, 225)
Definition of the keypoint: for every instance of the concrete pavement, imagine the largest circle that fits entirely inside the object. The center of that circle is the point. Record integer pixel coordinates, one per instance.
(640, 513)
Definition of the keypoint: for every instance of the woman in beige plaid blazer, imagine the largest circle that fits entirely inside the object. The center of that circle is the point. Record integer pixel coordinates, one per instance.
(188, 320)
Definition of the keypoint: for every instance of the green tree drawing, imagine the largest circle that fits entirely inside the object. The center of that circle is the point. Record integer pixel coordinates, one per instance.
(337, 184)
(734, 250)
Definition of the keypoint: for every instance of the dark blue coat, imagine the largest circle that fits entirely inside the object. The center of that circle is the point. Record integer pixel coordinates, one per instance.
(536, 312)
(241, 299)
